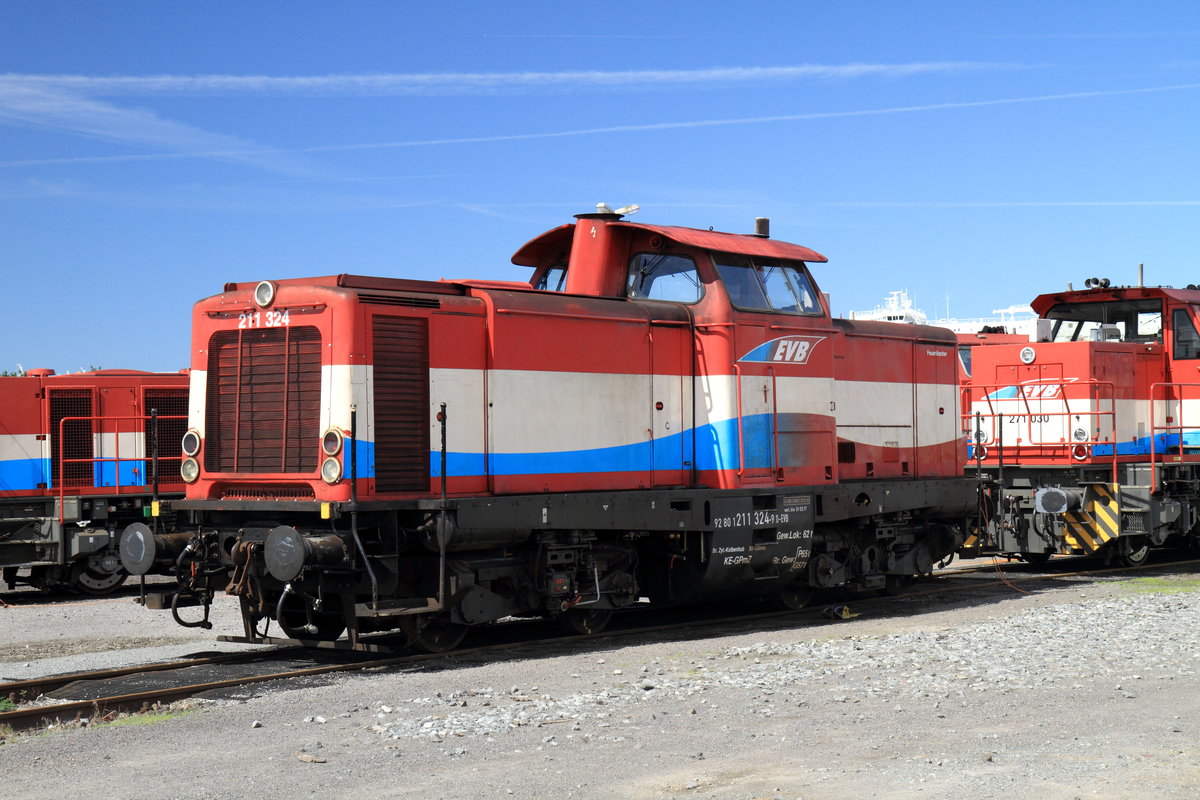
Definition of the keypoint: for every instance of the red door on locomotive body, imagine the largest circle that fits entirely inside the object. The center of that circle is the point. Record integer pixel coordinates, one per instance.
(766, 370)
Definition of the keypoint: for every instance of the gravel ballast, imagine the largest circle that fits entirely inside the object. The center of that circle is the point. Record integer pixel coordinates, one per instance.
(1080, 691)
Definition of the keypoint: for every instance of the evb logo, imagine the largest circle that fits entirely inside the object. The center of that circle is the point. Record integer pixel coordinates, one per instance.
(785, 349)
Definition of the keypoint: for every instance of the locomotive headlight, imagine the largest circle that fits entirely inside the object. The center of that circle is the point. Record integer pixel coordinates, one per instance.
(1079, 435)
(331, 470)
(189, 470)
(331, 442)
(191, 442)
(264, 294)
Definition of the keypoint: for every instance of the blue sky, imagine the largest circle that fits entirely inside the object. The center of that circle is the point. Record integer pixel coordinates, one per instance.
(981, 152)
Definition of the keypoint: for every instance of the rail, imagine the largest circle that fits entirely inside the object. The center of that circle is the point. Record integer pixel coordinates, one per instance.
(1095, 395)
(97, 438)
(1172, 426)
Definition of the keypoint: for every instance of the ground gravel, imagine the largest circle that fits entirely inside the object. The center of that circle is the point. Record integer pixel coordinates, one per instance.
(1081, 690)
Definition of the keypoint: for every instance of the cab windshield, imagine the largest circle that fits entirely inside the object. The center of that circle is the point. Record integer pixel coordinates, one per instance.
(759, 284)
(1114, 320)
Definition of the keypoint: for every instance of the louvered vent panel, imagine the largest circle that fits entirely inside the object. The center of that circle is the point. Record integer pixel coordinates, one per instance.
(401, 404)
(263, 402)
(76, 439)
(409, 302)
(168, 403)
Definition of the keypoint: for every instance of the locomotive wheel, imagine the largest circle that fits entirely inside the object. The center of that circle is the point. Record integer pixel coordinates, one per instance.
(435, 636)
(96, 577)
(792, 598)
(1133, 550)
(329, 625)
(585, 621)
(1036, 558)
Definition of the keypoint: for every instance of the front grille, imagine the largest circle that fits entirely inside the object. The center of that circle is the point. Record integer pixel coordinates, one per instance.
(263, 401)
(167, 403)
(268, 493)
(74, 440)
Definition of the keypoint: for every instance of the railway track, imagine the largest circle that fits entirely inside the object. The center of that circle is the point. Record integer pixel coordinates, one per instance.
(180, 678)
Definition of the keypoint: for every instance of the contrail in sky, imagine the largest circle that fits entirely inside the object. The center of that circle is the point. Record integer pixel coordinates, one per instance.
(643, 127)
(443, 83)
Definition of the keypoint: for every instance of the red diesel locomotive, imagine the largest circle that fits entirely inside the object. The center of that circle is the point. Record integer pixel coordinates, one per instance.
(77, 465)
(1088, 437)
(660, 414)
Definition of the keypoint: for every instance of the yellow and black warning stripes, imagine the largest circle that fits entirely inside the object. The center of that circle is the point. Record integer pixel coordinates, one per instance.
(1098, 522)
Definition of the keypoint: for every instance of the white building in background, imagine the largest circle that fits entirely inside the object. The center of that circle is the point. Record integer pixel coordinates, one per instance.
(898, 307)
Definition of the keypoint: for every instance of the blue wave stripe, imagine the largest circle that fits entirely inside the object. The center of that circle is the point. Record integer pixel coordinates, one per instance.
(715, 447)
(365, 454)
(132, 473)
(24, 474)
(1141, 445)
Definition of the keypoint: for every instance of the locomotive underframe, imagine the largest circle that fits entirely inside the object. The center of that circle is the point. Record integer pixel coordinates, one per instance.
(1144, 506)
(49, 547)
(318, 568)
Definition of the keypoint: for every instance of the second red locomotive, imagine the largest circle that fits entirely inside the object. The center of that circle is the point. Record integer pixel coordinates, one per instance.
(77, 464)
(1087, 438)
(660, 413)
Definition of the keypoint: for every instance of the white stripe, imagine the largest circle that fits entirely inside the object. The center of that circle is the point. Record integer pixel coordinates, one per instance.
(341, 386)
(20, 446)
(119, 445)
(198, 388)
(564, 411)
(462, 390)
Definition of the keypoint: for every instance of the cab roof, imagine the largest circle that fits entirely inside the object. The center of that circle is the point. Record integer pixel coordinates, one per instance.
(554, 246)
(1044, 302)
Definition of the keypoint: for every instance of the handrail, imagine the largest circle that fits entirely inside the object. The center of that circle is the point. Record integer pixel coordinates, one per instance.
(1096, 392)
(1173, 424)
(116, 459)
(737, 373)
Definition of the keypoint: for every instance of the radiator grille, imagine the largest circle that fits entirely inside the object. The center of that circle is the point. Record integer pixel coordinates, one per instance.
(268, 493)
(401, 373)
(168, 403)
(263, 402)
(75, 441)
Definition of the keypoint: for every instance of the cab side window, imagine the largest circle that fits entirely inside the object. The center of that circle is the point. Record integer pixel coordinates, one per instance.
(1187, 342)
(552, 280)
(663, 276)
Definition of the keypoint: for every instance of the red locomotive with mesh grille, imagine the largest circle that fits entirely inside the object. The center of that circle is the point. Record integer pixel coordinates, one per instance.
(77, 464)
